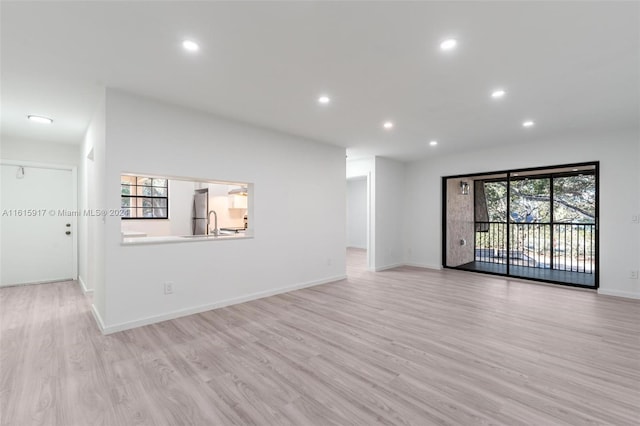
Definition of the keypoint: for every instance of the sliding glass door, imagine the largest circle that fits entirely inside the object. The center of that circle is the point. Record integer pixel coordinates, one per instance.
(537, 223)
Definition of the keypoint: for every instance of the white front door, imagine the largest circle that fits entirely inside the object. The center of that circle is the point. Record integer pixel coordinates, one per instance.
(36, 232)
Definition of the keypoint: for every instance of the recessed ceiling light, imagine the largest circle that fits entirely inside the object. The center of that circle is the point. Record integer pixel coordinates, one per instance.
(388, 125)
(190, 46)
(324, 99)
(40, 119)
(575, 170)
(496, 94)
(515, 174)
(433, 143)
(448, 44)
(527, 123)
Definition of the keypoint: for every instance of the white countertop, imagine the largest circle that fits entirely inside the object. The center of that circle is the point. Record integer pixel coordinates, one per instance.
(133, 234)
(134, 241)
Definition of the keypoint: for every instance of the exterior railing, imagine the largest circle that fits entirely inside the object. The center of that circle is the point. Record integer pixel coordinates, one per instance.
(559, 246)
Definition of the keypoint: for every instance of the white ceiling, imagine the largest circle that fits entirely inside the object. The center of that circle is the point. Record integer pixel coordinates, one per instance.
(570, 66)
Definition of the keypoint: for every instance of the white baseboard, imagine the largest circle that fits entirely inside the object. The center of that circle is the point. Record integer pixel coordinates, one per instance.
(618, 293)
(98, 318)
(83, 286)
(424, 265)
(37, 282)
(208, 307)
(384, 268)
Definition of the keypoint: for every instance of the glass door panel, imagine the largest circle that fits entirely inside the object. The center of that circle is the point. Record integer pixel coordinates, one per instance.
(537, 223)
(490, 202)
(529, 223)
(574, 214)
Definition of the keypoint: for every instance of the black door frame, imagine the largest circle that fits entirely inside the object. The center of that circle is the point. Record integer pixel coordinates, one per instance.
(508, 174)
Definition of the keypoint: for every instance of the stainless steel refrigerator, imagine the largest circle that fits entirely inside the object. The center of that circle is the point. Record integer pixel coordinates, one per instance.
(200, 209)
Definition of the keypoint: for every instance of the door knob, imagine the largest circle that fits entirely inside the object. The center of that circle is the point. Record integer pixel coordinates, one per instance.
(68, 232)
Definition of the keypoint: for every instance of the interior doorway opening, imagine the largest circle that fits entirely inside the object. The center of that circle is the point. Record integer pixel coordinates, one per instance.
(358, 221)
(538, 223)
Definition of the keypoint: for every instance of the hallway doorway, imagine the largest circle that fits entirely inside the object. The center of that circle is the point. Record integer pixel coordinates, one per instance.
(358, 217)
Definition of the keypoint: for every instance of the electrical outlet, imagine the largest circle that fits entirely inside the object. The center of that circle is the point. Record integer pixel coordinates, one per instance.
(633, 274)
(328, 261)
(168, 288)
(635, 219)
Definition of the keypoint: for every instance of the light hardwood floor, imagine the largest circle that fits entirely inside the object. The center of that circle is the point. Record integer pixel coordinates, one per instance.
(404, 346)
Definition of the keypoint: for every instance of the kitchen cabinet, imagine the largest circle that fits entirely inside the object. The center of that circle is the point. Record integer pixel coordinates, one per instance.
(238, 201)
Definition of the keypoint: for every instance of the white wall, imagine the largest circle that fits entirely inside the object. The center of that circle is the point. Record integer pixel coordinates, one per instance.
(619, 197)
(297, 214)
(389, 206)
(39, 152)
(83, 204)
(360, 167)
(357, 212)
(91, 236)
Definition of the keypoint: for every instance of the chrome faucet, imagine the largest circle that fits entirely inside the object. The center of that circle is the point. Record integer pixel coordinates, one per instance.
(216, 231)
